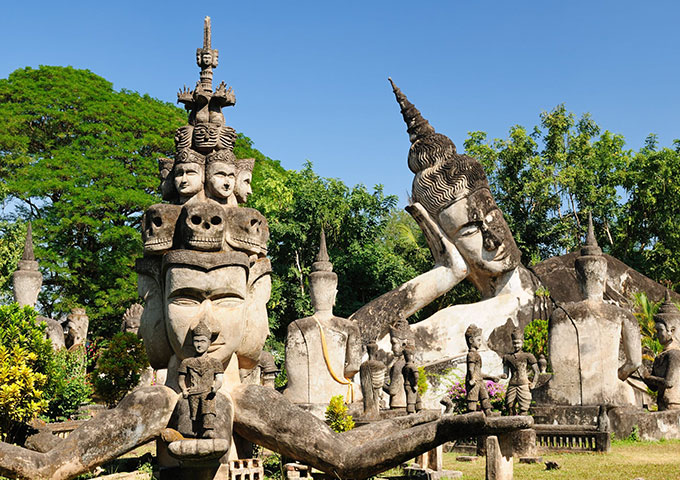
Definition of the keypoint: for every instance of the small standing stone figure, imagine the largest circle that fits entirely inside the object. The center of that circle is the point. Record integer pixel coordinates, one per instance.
(518, 396)
(200, 378)
(411, 377)
(401, 336)
(372, 374)
(665, 376)
(475, 388)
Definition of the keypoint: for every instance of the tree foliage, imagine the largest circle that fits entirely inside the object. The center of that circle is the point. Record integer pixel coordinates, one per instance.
(547, 180)
(79, 159)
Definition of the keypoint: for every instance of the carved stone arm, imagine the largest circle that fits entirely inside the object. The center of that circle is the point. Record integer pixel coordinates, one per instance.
(630, 332)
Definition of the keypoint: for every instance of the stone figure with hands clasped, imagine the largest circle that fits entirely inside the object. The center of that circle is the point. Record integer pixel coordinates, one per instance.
(204, 375)
(518, 396)
(475, 388)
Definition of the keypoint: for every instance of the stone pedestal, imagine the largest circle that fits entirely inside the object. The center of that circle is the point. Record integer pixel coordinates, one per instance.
(499, 457)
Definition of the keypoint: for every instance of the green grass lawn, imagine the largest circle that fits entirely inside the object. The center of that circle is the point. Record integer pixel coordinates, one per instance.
(626, 461)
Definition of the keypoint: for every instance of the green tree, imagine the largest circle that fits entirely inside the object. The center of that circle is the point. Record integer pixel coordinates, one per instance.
(79, 159)
(12, 239)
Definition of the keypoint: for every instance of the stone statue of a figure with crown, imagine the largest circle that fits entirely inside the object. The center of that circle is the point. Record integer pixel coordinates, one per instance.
(205, 265)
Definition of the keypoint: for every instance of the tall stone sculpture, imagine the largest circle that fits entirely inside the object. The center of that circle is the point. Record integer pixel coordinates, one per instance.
(401, 337)
(205, 263)
(27, 280)
(26, 283)
(665, 376)
(584, 341)
(323, 352)
(372, 374)
(475, 388)
(516, 364)
(77, 324)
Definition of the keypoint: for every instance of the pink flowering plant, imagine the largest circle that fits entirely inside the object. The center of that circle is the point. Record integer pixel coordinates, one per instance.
(457, 392)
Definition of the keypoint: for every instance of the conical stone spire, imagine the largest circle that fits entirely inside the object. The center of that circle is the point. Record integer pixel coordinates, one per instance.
(322, 262)
(417, 126)
(28, 245)
(591, 247)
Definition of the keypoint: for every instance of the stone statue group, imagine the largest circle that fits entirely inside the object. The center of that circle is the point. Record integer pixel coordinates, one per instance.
(205, 282)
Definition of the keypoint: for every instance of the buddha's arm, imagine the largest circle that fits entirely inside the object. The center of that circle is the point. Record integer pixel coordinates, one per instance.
(630, 332)
(353, 353)
(263, 416)
(139, 417)
(449, 270)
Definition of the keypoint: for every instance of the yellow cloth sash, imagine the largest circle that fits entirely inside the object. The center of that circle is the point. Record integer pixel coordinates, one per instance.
(346, 381)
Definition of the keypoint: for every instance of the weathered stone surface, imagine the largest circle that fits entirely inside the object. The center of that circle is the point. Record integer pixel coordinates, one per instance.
(27, 280)
(372, 374)
(139, 417)
(586, 366)
(77, 324)
(650, 426)
(499, 458)
(518, 394)
(323, 352)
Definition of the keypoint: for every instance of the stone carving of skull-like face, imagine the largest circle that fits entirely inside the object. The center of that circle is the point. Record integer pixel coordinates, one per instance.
(158, 227)
(203, 226)
(205, 137)
(247, 231)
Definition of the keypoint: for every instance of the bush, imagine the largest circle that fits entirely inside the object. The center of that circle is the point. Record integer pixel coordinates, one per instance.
(422, 381)
(336, 415)
(457, 394)
(119, 367)
(536, 337)
(71, 384)
(21, 394)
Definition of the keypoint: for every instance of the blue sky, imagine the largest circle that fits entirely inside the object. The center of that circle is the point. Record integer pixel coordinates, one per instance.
(311, 77)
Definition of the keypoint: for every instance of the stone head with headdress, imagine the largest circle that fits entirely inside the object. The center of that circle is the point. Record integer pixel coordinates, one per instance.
(454, 190)
(401, 336)
(666, 321)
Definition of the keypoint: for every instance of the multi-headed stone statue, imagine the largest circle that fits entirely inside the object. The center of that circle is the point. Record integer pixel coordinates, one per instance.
(585, 337)
(372, 375)
(323, 352)
(208, 266)
(665, 376)
(516, 364)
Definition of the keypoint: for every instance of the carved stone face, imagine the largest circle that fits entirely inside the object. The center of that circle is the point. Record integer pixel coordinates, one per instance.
(243, 189)
(205, 136)
(474, 342)
(203, 226)
(663, 334)
(216, 297)
(158, 227)
(188, 179)
(220, 179)
(247, 231)
(517, 344)
(477, 228)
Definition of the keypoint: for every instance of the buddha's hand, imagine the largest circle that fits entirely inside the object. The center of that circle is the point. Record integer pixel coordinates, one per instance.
(443, 250)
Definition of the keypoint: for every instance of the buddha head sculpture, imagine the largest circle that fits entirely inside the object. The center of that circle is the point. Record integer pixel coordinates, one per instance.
(454, 190)
(245, 175)
(188, 174)
(401, 336)
(220, 177)
(591, 267)
(666, 321)
(323, 281)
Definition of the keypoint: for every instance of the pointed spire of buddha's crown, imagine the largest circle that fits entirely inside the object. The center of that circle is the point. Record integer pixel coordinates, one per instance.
(28, 246)
(417, 126)
(590, 247)
(322, 262)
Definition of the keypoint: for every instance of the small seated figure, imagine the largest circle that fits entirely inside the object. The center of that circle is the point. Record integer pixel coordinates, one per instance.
(665, 376)
(401, 337)
(518, 396)
(372, 374)
(200, 377)
(411, 377)
(475, 388)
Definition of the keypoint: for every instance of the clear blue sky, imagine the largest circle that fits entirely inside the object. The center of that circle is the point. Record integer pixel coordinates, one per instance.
(311, 77)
